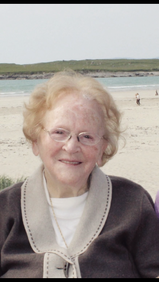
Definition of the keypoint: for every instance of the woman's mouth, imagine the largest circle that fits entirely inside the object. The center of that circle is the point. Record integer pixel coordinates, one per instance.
(70, 162)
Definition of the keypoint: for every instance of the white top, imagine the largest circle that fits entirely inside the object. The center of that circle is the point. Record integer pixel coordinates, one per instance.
(68, 212)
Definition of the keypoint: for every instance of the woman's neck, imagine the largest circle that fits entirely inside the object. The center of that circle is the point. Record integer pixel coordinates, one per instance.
(60, 190)
(65, 192)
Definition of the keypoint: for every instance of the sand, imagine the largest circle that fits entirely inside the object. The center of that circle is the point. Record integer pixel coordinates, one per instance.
(138, 160)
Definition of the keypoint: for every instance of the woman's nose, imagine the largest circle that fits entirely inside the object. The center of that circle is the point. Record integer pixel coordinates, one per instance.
(72, 145)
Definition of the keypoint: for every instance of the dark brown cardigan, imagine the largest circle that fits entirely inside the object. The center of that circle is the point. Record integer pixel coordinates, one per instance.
(127, 246)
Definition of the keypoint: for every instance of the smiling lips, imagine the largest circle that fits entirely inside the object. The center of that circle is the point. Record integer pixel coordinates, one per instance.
(70, 162)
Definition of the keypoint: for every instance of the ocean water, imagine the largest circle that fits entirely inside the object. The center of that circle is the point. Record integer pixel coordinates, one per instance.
(25, 87)
(18, 87)
(131, 83)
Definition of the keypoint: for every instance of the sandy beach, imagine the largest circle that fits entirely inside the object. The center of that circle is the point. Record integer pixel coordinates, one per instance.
(138, 160)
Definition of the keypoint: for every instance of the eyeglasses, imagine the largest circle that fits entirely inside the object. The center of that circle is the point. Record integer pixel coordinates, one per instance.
(63, 135)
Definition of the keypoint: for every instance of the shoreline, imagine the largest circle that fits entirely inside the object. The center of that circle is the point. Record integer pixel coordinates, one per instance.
(97, 74)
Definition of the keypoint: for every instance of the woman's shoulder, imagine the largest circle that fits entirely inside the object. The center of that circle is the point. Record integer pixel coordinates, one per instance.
(127, 187)
(131, 200)
(10, 207)
(11, 193)
(121, 182)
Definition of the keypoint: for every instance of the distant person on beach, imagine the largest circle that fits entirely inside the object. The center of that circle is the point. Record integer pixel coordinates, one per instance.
(69, 219)
(156, 93)
(137, 96)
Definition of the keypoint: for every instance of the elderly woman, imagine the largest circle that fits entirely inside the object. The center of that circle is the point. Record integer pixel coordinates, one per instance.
(69, 219)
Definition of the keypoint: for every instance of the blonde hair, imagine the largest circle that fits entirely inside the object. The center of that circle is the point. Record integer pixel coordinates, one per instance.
(43, 98)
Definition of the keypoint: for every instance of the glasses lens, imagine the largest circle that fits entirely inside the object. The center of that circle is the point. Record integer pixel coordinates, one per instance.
(88, 139)
(59, 134)
(62, 135)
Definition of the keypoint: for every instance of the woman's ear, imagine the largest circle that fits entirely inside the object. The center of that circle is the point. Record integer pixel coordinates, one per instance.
(100, 161)
(100, 157)
(35, 148)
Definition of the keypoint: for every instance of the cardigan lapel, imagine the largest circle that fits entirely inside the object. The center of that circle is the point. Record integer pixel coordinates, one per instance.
(36, 216)
(95, 212)
(38, 225)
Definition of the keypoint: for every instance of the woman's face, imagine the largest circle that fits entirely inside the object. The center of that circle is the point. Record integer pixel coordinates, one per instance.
(70, 163)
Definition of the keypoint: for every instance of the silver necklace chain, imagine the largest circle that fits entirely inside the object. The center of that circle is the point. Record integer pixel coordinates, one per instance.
(88, 184)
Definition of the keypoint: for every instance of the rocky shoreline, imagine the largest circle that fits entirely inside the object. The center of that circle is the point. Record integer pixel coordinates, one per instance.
(92, 74)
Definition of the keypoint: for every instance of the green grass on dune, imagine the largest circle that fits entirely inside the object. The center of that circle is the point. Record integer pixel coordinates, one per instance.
(6, 181)
(113, 65)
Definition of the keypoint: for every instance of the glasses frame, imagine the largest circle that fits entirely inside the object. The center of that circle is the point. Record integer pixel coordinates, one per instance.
(70, 135)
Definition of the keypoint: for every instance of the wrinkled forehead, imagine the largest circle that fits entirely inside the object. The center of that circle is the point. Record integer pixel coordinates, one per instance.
(79, 107)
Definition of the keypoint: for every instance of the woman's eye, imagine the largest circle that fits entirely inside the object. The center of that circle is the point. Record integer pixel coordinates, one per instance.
(87, 136)
(57, 132)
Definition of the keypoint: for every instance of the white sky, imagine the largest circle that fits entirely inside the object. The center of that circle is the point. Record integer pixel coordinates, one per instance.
(34, 33)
